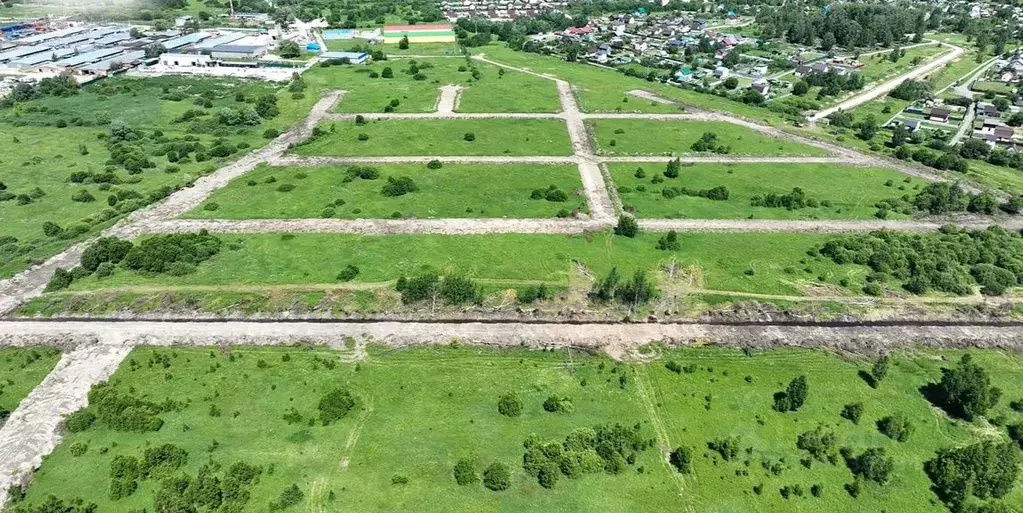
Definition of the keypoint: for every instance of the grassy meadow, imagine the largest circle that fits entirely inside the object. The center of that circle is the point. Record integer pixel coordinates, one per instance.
(442, 137)
(648, 137)
(419, 411)
(453, 191)
(21, 370)
(851, 191)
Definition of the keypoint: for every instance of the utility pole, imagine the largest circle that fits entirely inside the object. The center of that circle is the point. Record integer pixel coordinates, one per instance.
(231, 3)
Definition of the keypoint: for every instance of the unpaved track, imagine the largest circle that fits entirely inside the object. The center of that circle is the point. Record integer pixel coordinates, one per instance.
(290, 160)
(608, 337)
(33, 430)
(380, 226)
(885, 88)
(838, 161)
(448, 100)
(441, 115)
(818, 226)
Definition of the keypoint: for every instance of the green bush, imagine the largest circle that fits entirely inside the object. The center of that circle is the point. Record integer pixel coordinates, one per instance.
(335, 405)
(965, 390)
(60, 280)
(558, 404)
(853, 412)
(793, 397)
(896, 426)
(985, 470)
(79, 421)
(469, 136)
(465, 473)
(399, 186)
(83, 196)
(496, 477)
(509, 405)
(160, 253)
(681, 459)
(348, 273)
(106, 249)
(627, 226)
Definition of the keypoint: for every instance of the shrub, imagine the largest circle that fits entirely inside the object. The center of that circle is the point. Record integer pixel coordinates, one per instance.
(533, 293)
(879, 371)
(285, 187)
(334, 405)
(458, 290)
(965, 391)
(728, 448)
(556, 195)
(793, 397)
(509, 405)
(558, 404)
(363, 137)
(627, 226)
(853, 412)
(873, 464)
(79, 421)
(83, 196)
(61, 279)
(126, 412)
(79, 449)
(434, 164)
(465, 473)
(418, 288)
(984, 470)
(398, 186)
(51, 229)
(497, 477)
(669, 242)
(469, 136)
(820, 443)
(897, 427)
(271, 133)
(106, 249)
(682, 459)
(159, 253)
(348, 273)
(162, 460)
(291, 496)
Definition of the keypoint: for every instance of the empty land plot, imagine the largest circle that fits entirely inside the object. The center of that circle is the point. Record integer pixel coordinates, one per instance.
(649, 137)
(60, 164)
(729, 394)
(879, 66)
(747, 262)
(443, 137)
(407, 417)
(838, 192)
(601, 89)
(21, 370)
(416, 414)
(454, 190)
(413, 86)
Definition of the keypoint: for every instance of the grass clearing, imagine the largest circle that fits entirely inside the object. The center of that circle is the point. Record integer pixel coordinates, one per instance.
(44, 141)
(420, 410)
(494, 91)
(21, 370)
(442, 137)
(723, 259)
(648, 137)
(601, 89)
(453, 191)
(852, 191)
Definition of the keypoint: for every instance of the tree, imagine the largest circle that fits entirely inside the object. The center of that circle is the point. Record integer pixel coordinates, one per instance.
(896, 426)
(627, 226)
(403, 43)
(852, 412)
(387, 72)
(965, 391)
(682, 459)
(801, 88)
(867, 128)
(899, 136)
(820, 443)
(673, 169)
(335, 404)
(669, 242)
(873, 464)
(497, 477)
(984, 470)
(793, 397)
(289, 49)
(974, 149)
(731, 83)
(879, 371)
(465, 472)
(155, 50)
(509, 405)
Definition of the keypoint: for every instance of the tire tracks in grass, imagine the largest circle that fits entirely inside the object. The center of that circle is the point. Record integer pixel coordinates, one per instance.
(646, 392)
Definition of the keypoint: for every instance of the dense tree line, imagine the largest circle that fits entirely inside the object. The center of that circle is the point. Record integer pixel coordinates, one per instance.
(984, 470)
(453, 289)
(845, 25)
(951, 261)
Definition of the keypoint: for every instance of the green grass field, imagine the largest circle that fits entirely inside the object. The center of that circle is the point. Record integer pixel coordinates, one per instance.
(21, 370)
(719, 261)
(647, 137)
(37, 155)
(879, 66)
(452, 191)
(444, 137)
(418, 411)
(604, 90)
(852, 191)
(494, 91)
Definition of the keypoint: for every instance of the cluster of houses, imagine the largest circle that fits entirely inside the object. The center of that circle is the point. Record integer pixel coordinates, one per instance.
(1009, 71)
(839, 65)
(499, 10)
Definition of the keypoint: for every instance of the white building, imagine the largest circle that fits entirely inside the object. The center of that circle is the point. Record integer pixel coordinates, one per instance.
(186, 60)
